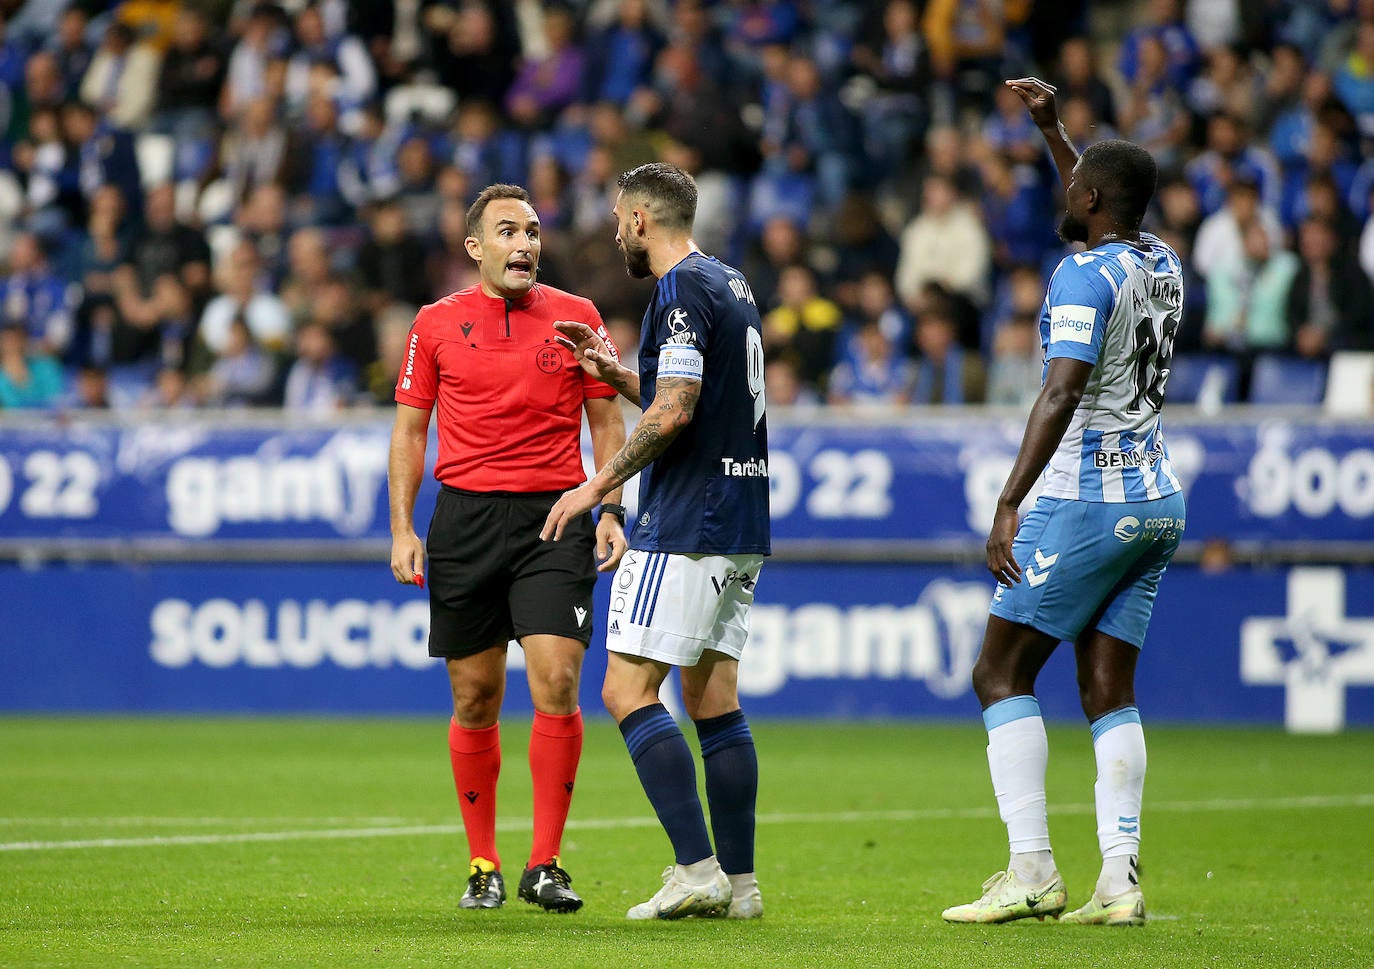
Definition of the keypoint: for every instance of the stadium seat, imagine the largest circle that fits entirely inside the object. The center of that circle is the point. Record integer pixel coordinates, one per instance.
(1287, 380)
(1206, 380)
(428, 101)
(1350, 385)
(156, 158)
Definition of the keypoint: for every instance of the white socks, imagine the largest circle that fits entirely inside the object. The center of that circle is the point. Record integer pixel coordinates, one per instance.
(1119, 744)
(1018, 753)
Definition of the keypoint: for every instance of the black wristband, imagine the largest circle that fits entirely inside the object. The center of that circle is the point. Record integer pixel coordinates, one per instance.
(610, 508)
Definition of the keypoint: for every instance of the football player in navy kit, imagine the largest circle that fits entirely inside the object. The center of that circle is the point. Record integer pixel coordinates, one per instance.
(682, 594)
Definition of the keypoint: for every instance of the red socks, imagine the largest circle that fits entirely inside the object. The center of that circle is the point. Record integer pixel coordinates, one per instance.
(555, 749)
(476, 757)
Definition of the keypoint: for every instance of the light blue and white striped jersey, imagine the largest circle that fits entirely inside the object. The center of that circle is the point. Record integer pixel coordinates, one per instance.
(1117, 307)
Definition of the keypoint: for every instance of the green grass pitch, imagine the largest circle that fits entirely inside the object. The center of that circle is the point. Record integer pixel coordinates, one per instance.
(306, 842)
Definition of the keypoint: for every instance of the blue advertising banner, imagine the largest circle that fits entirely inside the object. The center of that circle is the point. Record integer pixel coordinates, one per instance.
(1292, 646)
(923, 479)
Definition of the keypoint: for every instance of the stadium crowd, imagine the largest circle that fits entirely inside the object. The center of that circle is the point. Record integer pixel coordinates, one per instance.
(224, 203)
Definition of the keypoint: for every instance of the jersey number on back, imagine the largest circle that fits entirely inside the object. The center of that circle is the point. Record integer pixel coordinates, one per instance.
(1157, 325)
(753, 365)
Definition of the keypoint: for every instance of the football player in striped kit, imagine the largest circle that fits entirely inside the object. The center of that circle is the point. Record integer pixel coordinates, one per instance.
(1085, 564)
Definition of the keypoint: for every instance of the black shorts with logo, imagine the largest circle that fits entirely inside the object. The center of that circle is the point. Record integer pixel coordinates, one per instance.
(491, 579)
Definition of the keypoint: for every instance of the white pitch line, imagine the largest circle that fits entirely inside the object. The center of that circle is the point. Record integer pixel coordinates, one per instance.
(592, 824)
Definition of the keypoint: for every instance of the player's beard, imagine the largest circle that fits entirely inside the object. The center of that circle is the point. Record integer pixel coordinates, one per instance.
(636, 261)
(1072, 229)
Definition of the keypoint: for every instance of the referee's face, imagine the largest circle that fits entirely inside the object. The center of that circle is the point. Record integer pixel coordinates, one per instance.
(507, 250)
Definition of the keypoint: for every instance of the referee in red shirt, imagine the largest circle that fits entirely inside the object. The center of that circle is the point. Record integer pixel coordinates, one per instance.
(510, 400)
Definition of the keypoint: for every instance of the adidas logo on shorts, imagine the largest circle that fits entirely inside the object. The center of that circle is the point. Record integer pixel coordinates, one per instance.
(615, 628)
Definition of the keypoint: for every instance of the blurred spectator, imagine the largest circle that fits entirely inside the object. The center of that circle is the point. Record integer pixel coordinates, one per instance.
(121, 82)
(1284, 84)
(1152, 113)
(819, 136)
(1016, 212)
(392, 261)
(893, 56)
(261, 221)
(472, 52)
(393, 330)
(967, 39)
(255, 69)
(1353, 81)
(1247, 297)
(1164, 26)
(779, 245)
(170, 391)
(545, 85)
(104, 155)
(319, 381)
(307, 267)
(1220, 237)
(872, 373)
(785, 386)
(1323, 159)
(243, 299)
(686, 104)
(369, 171)
(1331, 301)
(876, 304)
(417, 193)
(36, 298)
(1009, 130)
(1014, 375)
(189, 83)
(621, 55)
(350, 326)
(805, 325)
(862, 246)
(337, 66)
(48, 176)
(165, 245)
(1227, 85)
(254, 151)
(91, 389)
(1080, 78)
(71, 50)
(1229, 156)
(946, 242)
(318, 192)
(946, 373)
(242, 374)
(29, 377)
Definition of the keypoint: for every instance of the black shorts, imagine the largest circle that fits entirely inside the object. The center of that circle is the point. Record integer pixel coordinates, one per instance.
(491, 579)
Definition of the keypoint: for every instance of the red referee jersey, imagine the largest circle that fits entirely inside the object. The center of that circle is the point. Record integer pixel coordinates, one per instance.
(510, 396)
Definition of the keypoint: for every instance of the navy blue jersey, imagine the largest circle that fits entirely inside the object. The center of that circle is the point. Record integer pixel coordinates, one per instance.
(708, 492)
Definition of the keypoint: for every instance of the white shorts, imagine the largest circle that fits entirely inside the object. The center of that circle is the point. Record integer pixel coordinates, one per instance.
(671, 607)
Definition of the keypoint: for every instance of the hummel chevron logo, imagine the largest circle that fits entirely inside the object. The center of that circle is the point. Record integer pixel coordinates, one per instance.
(580, 613)
(472, 796)
(467, 329)
(568, 786)
(1044, 562)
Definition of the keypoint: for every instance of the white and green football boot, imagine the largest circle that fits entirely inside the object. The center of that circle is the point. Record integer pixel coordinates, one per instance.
(1006, 898)
(1128, 908)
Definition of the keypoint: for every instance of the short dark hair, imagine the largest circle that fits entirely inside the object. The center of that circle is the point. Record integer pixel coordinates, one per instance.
(488, 195)
(670, 192)
(1125, 174)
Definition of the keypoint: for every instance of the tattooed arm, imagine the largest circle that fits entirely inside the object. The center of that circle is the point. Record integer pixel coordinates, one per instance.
(675, 401)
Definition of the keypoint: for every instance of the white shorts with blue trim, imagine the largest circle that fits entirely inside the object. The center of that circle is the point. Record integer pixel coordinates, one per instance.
(672, 607)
